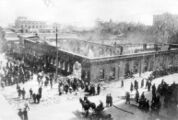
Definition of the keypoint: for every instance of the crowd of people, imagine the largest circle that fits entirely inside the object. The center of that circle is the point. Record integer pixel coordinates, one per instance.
(162, 72)
(163, 90)
(92, 89)
(16, 72)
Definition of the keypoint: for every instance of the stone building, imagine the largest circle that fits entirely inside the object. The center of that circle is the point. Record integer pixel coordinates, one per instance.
(25, 25)
(107, 63)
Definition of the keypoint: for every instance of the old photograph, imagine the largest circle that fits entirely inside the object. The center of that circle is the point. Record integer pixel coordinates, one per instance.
(88, 59)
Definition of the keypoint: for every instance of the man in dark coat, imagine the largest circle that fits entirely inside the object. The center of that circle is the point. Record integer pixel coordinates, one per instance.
(107, 100)
(66, 88)
(25, 114)
(40, 91)
(20, 113)
(147, 106)
(142, 83)
(147, 82)
(142, 96)
(131, 87)
(34, 97)
(127, 98)
(110, 100)
(51, 82)
(153, 91)
(59, 89)
(137, 96)
(136, 85)
(31, 93)
(122, 83)
(23, 93)
(19, 92)
(98, 89)
(17, 87)
(93, 90)
(149, 85)
(38, 97)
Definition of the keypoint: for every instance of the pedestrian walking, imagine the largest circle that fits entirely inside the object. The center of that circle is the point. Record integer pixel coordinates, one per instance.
(40, 91)
(127, 98)
(23, 94)
(34, 97)
(20, 114)
(131, 87)
(98, 89)
(137, 96)
(149, 85)
(122, 83)
(31, 93)
(142, 83)
(25, 114)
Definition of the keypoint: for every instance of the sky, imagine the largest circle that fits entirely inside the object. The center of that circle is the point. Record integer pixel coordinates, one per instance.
(84, 13)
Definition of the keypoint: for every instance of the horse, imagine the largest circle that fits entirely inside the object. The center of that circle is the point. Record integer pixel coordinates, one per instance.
(85, 106)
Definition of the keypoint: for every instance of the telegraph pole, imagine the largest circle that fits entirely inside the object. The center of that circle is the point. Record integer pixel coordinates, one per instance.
(56, 53)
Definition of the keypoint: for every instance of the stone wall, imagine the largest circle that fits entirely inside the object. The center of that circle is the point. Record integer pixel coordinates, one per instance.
(136, 63)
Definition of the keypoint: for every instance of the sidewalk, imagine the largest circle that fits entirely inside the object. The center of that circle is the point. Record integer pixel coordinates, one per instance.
(6, 111)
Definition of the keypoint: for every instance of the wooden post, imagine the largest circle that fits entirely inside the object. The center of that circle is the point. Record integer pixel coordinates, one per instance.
(56, 53)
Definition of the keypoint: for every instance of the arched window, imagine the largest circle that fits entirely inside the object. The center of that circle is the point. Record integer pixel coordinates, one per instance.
(112, 73)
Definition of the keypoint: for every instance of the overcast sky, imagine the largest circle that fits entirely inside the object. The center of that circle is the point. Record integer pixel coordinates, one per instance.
(85, 12)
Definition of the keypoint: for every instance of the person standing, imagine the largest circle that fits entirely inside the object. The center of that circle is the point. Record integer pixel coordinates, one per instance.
(98, 89)
(127, 98)
(142, 96)
(23, 94)
(149, 85)
(31, 93)
(40, 91)
(20, 113)
(38, 98)
(131, 87)
(19, 92)
(107, 100)
(136, 85)
(93, 90)
(34, 97)
(137, 96)
(142, 83)
(147, 82)
(122, 83)
(25, 114)
(51, 82)
(110, 100)
(153, 90)
(59, 89)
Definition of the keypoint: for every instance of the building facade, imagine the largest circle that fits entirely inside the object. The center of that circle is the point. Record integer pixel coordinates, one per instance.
(26, 25)
(103, 68)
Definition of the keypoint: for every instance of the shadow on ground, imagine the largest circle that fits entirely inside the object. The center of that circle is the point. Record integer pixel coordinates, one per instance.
(92, 116)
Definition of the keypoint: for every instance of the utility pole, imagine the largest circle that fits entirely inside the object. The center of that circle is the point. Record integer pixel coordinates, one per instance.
(56, 53)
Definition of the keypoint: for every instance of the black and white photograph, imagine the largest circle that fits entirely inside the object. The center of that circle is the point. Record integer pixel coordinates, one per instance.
(88, 59)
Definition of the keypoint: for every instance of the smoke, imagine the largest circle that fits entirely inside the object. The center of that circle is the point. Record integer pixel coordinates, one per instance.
(139, 37)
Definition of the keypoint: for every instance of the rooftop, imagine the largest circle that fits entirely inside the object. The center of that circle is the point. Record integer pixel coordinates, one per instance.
(96, 50)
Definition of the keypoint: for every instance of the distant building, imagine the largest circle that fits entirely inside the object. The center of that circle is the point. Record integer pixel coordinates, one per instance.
(25, 25)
